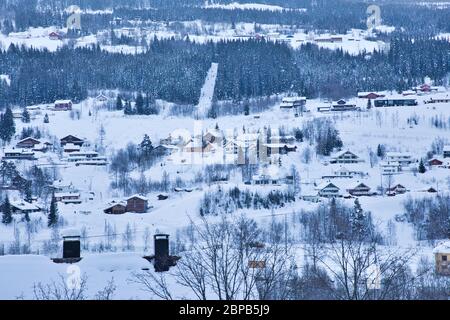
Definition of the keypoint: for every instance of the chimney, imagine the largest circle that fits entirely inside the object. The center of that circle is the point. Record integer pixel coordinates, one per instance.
(162, 258)
(71, 247)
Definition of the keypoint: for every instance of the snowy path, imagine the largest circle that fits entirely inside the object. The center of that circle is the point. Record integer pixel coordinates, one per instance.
(207, 92)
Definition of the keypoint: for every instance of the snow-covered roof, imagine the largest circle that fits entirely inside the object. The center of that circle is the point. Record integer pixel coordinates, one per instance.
(63, 101)
(115, 203)
(397, 154)
(247, 137)
(29, 138)
(72, 232)
(66, 194)
(271, 172)
(60, 184)
(23, 205)
(214, 132)
(325, 184)
(282, 138)
(389, 164)
(293, 99)
(82, 153)
(21, 151)
(137, 196)
(365, 93)
(279, 145)
(341, 153)
(71, 146)
(195, 143)
(442, 247)
(446, 148)
(356, 167)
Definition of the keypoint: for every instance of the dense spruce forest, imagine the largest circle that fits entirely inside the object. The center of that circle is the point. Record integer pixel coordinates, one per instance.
(332, 15)
(174, 70)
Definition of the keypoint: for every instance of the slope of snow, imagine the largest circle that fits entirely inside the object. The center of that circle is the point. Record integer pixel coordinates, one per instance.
(207, 92)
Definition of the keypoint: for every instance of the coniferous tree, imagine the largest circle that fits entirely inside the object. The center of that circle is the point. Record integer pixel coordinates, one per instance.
(128, 109)
(7, 212)
(119, 104)
(146, 145)
(53, 214)
(422, 168)
(46, 119)
(246, 109)
(380, 151)
(357, 221)
(139, 104)
(7, 126)
(25, 116)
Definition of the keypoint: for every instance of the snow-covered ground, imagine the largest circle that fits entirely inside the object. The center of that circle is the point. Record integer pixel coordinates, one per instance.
(207, 92)
(355, 41)
(361, 133)
(249, 6)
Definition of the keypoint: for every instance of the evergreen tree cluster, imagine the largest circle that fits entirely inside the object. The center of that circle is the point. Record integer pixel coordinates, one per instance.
(334, 220)
(429, 216)
(175, 71)
(324, 134)
(222, 202)
(7, 126)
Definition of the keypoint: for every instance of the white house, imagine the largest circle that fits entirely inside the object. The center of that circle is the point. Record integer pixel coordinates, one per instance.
(344, 172)
(328, 190)
(68, 197)
(86, 158)
(293, 103)
(23, 207)
(70, 147)
(403, 159)
(18, 154)
(232, 146)
(360, 189)
(271, 175)
(446, 151)
(248, 140)
(346, 157)
(389, 168)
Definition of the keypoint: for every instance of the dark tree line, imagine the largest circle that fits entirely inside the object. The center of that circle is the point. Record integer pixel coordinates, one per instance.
(175, 70)
(222, 202)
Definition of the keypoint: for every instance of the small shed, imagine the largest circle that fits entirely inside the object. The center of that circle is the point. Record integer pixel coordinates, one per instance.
(442, 258)
(163, 196)
(71, 244)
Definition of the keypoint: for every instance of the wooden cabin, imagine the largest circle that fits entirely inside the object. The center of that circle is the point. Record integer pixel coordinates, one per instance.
(71, 139)
(137, 204)
(442, 258)
(27, 143)
(63, 105)
(116, 207)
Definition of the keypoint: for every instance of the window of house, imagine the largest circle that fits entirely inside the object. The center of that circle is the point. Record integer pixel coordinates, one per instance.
(444, 258)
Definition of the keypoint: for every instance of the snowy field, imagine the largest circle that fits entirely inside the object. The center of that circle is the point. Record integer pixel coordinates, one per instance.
(360, 132)
(250, 6)
(354, 41)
